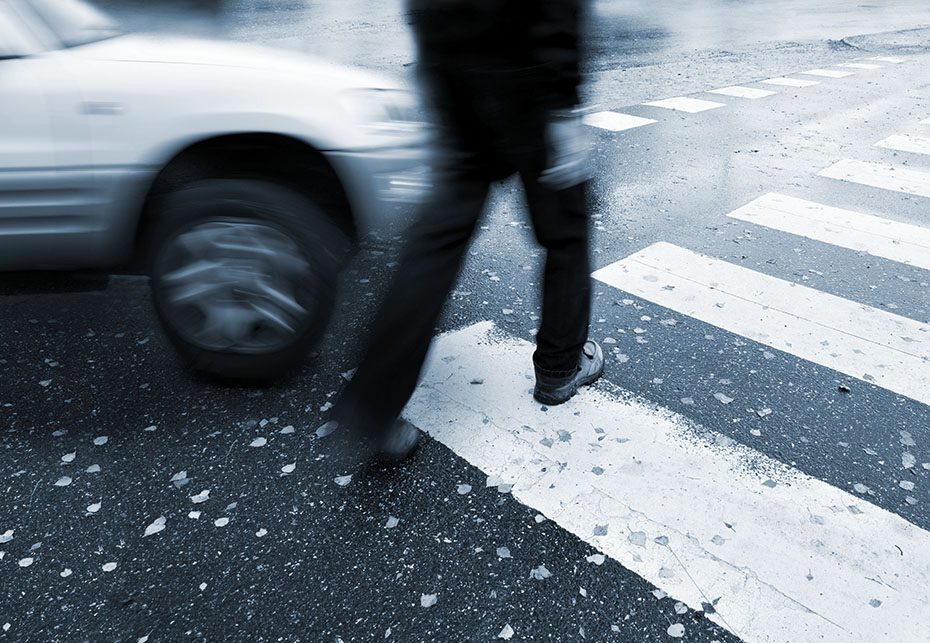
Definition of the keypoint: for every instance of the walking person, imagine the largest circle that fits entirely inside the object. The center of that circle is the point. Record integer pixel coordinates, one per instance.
(503, 77)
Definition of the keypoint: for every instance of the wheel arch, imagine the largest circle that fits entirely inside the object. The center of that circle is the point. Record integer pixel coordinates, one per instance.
(271, 156)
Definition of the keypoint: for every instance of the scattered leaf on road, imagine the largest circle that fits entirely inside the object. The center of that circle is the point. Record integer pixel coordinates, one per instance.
(155, 527)
(597, 559)
(203, 496)
(327, 428)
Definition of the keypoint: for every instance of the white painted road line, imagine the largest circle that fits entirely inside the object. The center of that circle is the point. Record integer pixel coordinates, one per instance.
(887, 177)
(615, 121)
(861, 66)
(700, 516)
(742, 92)
(828, 73)
(925, 122)
(906, 143)
(791, 82)
(909, 244)
(872, 345)
(888, 59)
(685, 104)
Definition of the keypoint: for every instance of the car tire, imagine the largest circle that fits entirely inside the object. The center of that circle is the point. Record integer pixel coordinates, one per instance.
(243, 276)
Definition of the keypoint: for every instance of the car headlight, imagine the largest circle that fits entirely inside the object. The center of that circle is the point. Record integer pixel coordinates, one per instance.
(385, 111)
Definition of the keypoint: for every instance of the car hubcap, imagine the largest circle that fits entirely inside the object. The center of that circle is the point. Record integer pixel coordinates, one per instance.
(232, 285)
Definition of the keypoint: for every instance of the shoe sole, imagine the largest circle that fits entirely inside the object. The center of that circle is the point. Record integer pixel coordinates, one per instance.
(554, 399)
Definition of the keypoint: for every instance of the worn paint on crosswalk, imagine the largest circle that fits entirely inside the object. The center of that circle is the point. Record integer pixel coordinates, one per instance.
(888, 59)
(781, 555)
(739, 91)
(863, 342)
(828, 73)
(861, 66)
(791, 82)
(616, 121)
(896, 178)
(906, 143)
(879, 237)
(685, 104)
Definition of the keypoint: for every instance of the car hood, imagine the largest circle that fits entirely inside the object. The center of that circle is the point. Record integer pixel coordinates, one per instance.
(143, 48)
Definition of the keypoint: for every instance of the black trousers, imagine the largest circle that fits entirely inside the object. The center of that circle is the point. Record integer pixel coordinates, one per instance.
(481, 143)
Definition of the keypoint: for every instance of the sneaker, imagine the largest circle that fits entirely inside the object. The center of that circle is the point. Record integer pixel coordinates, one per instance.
(558, 390)
(399, 443)
(392, 446)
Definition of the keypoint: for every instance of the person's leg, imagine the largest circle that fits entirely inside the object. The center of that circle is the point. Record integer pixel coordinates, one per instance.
(561, 224)
(403, 327)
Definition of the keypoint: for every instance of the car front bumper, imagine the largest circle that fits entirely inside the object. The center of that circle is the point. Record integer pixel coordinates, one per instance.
(382, 184)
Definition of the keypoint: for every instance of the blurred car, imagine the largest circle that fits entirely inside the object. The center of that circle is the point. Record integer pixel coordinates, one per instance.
(235, 176)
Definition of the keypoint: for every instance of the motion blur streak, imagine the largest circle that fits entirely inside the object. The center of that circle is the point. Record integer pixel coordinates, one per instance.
(237, 177)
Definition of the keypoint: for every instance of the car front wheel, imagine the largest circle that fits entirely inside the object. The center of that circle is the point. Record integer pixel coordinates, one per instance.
(243, 276)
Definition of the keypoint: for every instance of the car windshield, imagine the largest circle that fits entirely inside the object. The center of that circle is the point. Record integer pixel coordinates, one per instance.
(75, 22)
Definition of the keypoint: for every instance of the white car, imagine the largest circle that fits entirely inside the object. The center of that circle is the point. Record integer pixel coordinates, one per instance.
(236, 173)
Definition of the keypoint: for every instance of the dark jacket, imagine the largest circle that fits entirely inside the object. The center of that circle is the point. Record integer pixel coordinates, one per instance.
(534, 41)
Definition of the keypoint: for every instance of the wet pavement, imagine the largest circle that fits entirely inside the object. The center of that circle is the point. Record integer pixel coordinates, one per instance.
(142, 501)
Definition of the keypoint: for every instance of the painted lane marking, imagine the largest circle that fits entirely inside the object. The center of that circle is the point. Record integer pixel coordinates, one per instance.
(866, 343)
(615, 121)
(791, 82)
(828, 73)
(925, 122)
(908, 244)
(737, 91)
(906, 143)
(887, 177)
(697, 514)
(888, 59)
(685, 104)
(861, 66)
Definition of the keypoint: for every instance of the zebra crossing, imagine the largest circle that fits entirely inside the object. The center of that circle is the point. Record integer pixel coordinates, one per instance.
(887, 350)
(777, 555)
(617, 121)
(863, 342)
(896, 178)
(906, 143)
(769, 553)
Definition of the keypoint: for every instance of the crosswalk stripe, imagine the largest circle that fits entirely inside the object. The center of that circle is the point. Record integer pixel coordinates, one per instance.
(888, 59)
(887, 177)
(861, 66)
(696, 514)
(615, 121)
(925, 121)
(828, 73)
(685, 104)
(906, 143)
(791, 82)
(866, 343)
(742, 92)
(909, 244)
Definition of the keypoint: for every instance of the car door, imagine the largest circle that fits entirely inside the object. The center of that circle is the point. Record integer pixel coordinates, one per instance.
(27, 155)
(44, 219)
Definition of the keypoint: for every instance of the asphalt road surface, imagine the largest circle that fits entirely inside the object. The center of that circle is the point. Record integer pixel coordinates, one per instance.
(755, 465)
